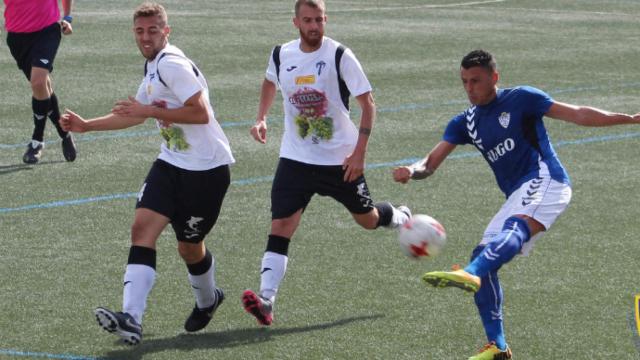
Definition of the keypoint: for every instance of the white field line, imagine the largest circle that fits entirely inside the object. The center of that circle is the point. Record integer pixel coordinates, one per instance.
(214, 12)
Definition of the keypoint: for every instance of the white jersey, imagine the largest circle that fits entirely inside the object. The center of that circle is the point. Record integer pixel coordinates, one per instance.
(174, 81)
(318, 129)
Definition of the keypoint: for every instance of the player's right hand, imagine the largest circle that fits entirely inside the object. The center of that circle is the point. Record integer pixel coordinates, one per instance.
(66, 27)
(259, 131)
(402, 174)
(70, 121)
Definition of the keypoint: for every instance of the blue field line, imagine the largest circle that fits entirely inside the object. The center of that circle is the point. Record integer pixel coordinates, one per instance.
(121, 134)
(44, 355)
(255, 180)
(390, 109)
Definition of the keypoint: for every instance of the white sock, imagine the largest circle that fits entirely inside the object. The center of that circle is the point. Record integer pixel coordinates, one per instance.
(138, 282)
(398, 218)
(204, 287)
(274, 266)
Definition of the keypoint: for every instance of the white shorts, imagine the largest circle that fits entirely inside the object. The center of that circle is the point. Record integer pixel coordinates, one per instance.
(542, 199)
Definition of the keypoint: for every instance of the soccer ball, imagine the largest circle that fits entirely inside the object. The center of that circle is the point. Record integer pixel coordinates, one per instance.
(422, 236)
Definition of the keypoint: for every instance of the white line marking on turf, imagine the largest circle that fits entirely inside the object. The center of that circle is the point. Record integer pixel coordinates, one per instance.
(243, 12)
(415, 7)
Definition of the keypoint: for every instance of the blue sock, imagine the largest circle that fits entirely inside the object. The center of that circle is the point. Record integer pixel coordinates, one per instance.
(502, 248)
(489, 303)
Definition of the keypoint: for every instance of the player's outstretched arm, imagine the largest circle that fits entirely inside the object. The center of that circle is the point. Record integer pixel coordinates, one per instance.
(70, 121)
(267, 94)
(589, 116)
(425, 167)
(193, 111)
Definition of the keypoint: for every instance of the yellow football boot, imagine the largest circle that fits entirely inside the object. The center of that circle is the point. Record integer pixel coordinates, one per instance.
(491, 352)
(456, 278)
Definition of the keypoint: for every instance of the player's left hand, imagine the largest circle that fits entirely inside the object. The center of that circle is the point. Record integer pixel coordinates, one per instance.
(353, 167)
(131, 108)
(67, 29)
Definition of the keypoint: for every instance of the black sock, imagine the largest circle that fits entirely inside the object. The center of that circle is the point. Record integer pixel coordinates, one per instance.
(385, 213)
(40, 109)
(54, 115)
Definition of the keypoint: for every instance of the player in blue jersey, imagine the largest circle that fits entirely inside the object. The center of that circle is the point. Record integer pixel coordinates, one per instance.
(506, 126)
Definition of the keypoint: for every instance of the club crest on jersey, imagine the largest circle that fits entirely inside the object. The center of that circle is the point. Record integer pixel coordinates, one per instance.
(320, 65)
(305, 80)
(504, 119)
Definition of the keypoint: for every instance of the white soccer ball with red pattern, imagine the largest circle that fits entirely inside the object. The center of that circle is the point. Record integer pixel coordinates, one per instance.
(422, 236)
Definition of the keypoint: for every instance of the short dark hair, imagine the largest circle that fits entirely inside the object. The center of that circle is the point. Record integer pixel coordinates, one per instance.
(149, 9)
(316, 4)
(480, 58)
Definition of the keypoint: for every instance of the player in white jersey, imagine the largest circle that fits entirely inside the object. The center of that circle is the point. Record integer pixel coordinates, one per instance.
(322, 152)
(506, 126)
(185, 186)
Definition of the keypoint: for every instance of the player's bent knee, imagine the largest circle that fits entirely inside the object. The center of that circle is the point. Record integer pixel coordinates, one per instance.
(140, 235)
(191, 253)
(286, 226)
(39, 84)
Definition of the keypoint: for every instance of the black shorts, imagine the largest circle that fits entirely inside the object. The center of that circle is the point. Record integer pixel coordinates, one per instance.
(35, 49)
(296, 182)
(190, 199)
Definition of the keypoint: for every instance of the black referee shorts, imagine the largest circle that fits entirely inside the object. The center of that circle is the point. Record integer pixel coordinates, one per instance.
(35, 49)
(190, 199)
(296, 182)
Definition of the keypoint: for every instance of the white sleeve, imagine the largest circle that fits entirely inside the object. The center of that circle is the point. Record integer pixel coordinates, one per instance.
(178, 74)
(141, 95)
(353, 75)
(271, 70)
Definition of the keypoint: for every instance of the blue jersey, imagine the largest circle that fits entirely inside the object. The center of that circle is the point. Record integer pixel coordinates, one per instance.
(510, 134)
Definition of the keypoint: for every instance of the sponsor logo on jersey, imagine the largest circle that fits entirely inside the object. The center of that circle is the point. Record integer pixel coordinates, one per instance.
(305, 80)
(291, 68)
(504, 119)
(309, 98)
(501, 149)
(311, 119)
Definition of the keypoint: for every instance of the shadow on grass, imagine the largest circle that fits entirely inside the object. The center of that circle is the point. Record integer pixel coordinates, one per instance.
(223, 339)
(8, 169)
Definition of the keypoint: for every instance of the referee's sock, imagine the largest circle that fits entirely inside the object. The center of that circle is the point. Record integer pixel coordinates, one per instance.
(40, 110)
(54, 115)
(502, 248)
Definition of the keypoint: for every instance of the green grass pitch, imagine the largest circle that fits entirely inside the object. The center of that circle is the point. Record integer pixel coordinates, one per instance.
(348, 293)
